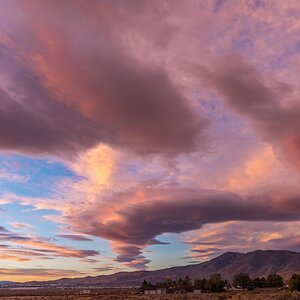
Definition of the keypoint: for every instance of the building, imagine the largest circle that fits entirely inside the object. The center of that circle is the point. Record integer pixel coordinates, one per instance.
(154, 290)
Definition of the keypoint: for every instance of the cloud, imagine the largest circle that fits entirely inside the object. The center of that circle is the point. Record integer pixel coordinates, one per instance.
(74, 237)
(5, 175)
(64, 97)
(133, 226)
(39, 125)
(3, 229)
(26, 247)
(38, 273)
(105, 268)
(20, 225)
(52, 249)
(214, 239)
(266, 102)
(130, 255)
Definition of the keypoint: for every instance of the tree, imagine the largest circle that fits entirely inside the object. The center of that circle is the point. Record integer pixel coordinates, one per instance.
(168, 283)
(274, 280)
(259, 282)
(145, 284)
(294, 282)
(200, 284)
(187, 284)
(179, 284)
(215, 283)
(243, 280)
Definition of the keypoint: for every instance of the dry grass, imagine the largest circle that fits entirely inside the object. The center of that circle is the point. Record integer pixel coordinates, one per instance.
(119, 294)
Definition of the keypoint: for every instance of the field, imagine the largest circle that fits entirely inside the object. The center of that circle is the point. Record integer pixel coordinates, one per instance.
(124, 294)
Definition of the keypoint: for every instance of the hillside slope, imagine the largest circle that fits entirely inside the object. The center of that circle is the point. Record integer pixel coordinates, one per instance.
(256, 263)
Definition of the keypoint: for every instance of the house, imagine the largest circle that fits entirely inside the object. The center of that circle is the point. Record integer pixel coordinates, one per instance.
(85, 292)
(154, 290)
(161, 290)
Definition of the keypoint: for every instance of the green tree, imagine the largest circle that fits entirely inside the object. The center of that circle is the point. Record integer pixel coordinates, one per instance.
(243, 280)
(215, 283)
(294, 282)
(274, 280)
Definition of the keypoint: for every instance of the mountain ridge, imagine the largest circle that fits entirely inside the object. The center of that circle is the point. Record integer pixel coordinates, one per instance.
(255, 263)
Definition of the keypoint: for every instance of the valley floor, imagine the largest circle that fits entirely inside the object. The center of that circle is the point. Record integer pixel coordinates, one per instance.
(119, 294)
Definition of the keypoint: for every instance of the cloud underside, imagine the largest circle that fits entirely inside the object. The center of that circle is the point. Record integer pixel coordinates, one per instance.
(133, 226)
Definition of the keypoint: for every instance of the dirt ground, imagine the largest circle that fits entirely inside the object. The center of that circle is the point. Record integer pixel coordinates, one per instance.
(119, 294)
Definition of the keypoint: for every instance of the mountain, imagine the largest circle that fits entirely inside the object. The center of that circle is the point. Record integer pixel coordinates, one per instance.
(256, 263)
(6, 283)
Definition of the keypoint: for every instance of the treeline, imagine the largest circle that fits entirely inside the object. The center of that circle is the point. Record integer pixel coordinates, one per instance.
(244, 281)
(215, 283)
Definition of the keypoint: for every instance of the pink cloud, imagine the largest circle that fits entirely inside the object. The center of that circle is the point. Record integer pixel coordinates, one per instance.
(96, 93)
(263, 102)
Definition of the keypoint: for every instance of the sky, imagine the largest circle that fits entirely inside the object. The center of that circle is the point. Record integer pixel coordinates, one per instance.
(146, 134)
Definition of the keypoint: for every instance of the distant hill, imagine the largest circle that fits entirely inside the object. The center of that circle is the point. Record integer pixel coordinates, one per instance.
(6, 282)
(256, 263)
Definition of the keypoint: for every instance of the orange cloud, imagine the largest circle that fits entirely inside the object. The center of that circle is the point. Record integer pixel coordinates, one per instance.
(21, 275)
(255, 171)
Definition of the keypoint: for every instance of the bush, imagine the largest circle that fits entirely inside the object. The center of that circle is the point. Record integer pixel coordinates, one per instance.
(294, 282)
